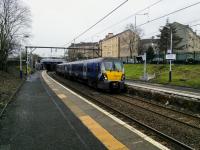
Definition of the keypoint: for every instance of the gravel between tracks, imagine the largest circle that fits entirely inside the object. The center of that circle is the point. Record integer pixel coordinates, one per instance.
(181, 132)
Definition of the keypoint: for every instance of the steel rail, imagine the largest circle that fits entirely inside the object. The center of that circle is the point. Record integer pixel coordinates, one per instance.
(146, 109)
(85, 94)
(171, 109)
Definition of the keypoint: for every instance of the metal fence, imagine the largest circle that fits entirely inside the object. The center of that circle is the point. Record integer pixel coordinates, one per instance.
(181, 57)
(187, 57)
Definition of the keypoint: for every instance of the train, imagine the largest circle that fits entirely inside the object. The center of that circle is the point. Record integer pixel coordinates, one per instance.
(100, 73)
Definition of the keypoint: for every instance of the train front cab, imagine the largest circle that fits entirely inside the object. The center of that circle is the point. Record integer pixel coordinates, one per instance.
(112, 75)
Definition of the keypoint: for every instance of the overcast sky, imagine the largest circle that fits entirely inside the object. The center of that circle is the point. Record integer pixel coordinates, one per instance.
(57, 22)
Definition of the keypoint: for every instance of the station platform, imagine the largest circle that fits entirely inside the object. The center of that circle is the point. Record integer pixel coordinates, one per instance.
(176, 90)
(47, 115)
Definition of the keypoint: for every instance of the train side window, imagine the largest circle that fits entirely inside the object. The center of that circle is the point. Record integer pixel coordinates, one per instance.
(89, 67)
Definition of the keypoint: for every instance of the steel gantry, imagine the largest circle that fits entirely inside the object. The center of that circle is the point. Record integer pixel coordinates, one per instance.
(30, 49)
(33, 48)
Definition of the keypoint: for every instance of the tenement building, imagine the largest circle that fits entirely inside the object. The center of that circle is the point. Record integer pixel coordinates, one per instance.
(83, 50)
(124, 44)
(190, 40)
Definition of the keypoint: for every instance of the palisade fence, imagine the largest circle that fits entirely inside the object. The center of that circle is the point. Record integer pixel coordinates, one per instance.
(181, 57)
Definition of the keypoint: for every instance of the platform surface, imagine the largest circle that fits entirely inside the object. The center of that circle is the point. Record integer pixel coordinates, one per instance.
(176, 90)
(45, 115)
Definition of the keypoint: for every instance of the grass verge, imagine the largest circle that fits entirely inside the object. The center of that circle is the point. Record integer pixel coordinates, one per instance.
(182, 75)
(9, 82)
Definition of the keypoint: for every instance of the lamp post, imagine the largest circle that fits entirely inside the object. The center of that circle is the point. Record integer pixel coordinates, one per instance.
(20, 57)
(145, 55)
(136, 18)
(136, 25)
(26, 61)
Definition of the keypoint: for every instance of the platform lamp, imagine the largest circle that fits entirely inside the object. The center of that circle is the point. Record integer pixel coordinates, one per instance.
(135, 28)
(20, 55)
(26, 36)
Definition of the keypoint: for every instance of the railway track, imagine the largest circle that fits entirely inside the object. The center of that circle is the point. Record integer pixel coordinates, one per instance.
(181, 117)
(97, 98)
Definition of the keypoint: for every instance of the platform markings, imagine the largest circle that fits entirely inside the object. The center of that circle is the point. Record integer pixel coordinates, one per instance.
(55, 89)
(103, 135)
(142, 135)
(165, 90)
(98, 131)
(61, 96)
(63, 114)
(137, 142)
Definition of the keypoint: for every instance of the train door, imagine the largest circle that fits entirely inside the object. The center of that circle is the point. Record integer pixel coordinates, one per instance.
(85, 71)
(70, 69)
(66, 70)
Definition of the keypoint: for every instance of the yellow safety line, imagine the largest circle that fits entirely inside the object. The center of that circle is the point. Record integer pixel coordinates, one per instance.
(61, 96)
(103, 135)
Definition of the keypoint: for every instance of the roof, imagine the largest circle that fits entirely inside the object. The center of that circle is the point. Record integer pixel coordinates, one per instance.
(116, 35)
(84, 44)
(90, 60)
(182, 26)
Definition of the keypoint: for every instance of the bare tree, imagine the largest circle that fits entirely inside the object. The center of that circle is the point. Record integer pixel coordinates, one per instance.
(131, 38)
(14, 22)
(134, 29)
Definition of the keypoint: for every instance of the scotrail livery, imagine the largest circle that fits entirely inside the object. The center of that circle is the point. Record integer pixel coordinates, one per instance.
(102, 73)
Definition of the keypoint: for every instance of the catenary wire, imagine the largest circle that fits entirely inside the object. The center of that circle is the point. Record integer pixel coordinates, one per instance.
(98, 21)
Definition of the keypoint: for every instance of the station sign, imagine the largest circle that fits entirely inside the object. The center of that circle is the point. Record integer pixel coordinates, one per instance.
(144, 57)
(169, 51)
(171, 56)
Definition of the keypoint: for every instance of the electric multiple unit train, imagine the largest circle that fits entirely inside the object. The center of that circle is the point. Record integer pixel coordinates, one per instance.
(101, 73)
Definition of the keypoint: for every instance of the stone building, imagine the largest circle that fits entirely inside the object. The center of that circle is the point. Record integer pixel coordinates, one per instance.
(190, 40)
(83, 50)
(124, 44)
(146, 43)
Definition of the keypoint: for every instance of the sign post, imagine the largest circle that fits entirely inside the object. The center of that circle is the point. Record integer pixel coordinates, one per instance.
(170, 61)
(170, 57)
(144, 57)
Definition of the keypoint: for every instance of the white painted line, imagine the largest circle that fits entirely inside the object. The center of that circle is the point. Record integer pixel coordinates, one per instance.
(63, 114)
(176, 92)
(142, 135)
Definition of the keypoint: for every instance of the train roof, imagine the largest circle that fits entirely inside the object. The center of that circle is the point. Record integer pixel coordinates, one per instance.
(89, 60)
(93, 60)
(52, 60)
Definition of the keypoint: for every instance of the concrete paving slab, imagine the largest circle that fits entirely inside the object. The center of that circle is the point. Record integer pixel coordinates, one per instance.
(37, 119)
(118, 130)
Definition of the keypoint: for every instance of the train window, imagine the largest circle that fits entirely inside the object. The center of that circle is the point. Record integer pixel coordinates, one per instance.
(81, 68)
(112, 65)
(88, 68)
(118, 66)
(108, 65)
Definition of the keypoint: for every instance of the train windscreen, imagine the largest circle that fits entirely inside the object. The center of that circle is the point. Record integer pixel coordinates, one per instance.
(112, 66)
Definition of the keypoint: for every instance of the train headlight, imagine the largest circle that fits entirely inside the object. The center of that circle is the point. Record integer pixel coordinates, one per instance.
(105, 76)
